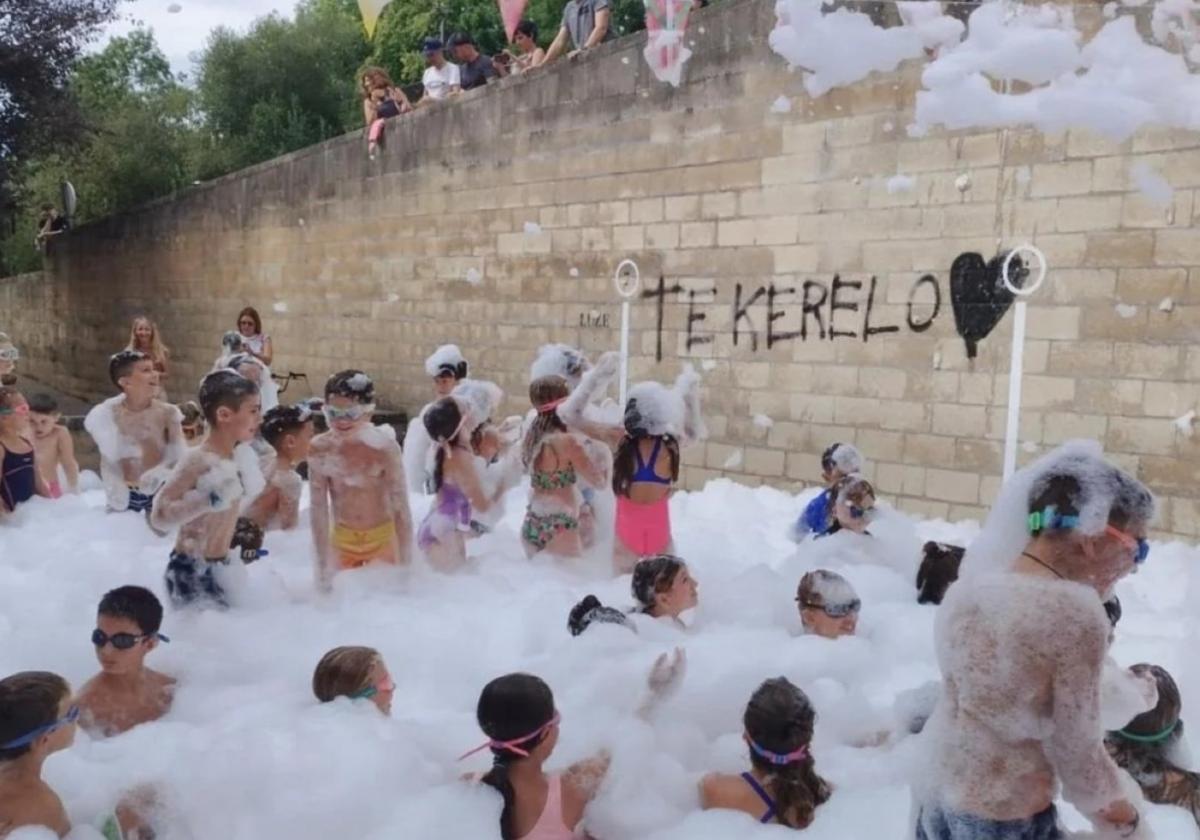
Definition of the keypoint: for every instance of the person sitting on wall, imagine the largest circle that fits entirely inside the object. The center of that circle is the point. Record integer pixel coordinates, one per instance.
(528, 54)
(50, 224)
(381, 101)
(441, 78)
(474, 68)
(585, 23)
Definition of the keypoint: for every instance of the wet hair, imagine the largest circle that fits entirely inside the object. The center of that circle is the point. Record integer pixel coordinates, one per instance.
(1063, 487)
(283, 420)
(343, 672)
(939, 569)
(528, 28)
(253, 314)
(352, 384)
(442, 421)
(29, 700)
(780, 718)
(43, 404)
(1166, 713)
(224, 389)
(652, 576)
(853, 488)
(7, 393)
(122, 364)
(543, 391)
(842, 457)
(590, 611)
(458, 371)
(191, 413)
(821, 587)
(511, 707)
(1112, 609)
(136, 603)
(625, 461)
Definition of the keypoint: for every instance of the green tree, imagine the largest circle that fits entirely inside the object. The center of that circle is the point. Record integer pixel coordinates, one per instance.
(284, 85)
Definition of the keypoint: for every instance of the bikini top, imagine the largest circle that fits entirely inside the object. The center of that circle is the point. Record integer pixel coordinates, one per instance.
(769, 815)
(550, 825)
(553, 480)
(645, 469)
(17, 478)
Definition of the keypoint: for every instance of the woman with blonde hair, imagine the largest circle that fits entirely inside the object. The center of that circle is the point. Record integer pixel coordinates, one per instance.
(144, 338)
(356, 672)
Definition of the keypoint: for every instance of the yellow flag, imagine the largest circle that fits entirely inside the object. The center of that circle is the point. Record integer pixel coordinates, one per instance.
(370, 13)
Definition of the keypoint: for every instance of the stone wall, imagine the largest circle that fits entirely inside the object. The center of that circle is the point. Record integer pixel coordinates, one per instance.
(811, 285)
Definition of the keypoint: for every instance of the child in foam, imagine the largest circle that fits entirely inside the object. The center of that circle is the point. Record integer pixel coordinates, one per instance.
(1022, 639)
(140, 437)
(356, 673)
(782, 786)
(662, 587)
(1151, 748)
(257, 372)
(459, 481)
(36, 720)
(201, 496)
(54, 445)
(852, 506)
(125, 693)
(837, 462)
(289, 431)
(556, 461)
(193, 425)
(518, 714)
(446, 367)
(657, 419)
(20, 478)
(828, 604)
(357, 470)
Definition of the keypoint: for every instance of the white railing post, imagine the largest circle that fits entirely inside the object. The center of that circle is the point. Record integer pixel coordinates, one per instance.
(1017, 364)
(628, 281)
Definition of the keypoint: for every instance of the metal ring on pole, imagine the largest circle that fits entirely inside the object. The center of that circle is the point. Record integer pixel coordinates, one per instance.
(1024, 291)
(628, 282)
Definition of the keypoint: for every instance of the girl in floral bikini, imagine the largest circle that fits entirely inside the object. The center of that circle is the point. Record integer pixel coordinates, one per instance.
(555, 460)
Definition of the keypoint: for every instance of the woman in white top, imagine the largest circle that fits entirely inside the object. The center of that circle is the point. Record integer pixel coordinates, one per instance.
(1022, 639)
(255, 342)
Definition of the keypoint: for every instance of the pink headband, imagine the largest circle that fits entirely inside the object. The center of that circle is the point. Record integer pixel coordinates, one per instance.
(549, 408)
(798, 754)
(511, 746)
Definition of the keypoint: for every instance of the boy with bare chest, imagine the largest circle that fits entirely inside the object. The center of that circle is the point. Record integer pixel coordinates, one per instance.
(202, 495)
(53, 445)
(357, 469)
(140, 437)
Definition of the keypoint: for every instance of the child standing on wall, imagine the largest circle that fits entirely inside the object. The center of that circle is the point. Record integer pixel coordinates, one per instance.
(289, 430)
(358, 470)
(53, 445)
(202, 494)
(837, 462)
(140, 437)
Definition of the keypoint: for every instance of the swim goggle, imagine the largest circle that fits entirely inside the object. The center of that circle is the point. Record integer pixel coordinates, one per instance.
(352, 413)
(1156, 738)
(10, 354)
(1050, 519)
(780, 759)
(835, 610)
(28, 738)
(511, 746)
(857, 512)
(386, 684)
(123, 641)
(19, 410)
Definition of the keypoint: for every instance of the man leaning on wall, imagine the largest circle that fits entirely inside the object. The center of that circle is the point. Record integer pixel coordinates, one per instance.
(585, 24)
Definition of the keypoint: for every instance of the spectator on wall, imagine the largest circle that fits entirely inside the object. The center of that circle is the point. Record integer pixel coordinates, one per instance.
(50, 224)
(441, 78)
(382, 100)
(474, 68)
(529, 54)
(585, 24)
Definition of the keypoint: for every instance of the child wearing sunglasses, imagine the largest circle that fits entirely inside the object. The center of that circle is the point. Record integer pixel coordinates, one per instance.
(202, 495)
(20, 479)
(828, 604)
(36, 720)
(289, 431)
(125, 693)
(1022, 639)
(837, 462)
(357, 673)
(139, 436)
(852, 506)
(360, 512)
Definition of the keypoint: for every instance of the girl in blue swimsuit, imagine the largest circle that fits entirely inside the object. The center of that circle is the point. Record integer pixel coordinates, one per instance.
(782, 785)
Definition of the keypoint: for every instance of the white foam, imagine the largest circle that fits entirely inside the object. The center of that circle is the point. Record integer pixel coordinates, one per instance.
(781, 105)
(1152, 185)
(1126, 310)
(900, 183)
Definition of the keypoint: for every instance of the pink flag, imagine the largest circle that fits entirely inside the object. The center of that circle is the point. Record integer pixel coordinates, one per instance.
(510, 12)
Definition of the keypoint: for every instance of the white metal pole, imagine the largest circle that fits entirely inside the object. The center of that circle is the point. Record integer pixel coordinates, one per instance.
(1016, 365)
(628, 281)
(624, 381)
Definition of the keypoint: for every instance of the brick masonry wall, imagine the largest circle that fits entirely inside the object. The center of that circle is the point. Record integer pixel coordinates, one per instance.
(815, 297)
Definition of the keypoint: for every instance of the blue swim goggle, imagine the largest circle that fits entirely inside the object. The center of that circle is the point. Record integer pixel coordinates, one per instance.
(1051, 519)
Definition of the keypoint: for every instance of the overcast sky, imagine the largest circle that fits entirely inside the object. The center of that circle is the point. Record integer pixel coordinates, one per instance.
(182, 33)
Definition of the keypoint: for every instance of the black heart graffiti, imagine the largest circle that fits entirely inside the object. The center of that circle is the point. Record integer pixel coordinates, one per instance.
(979, 296)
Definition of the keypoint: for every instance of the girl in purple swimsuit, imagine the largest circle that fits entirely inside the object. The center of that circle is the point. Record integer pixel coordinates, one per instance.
(457, 484)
